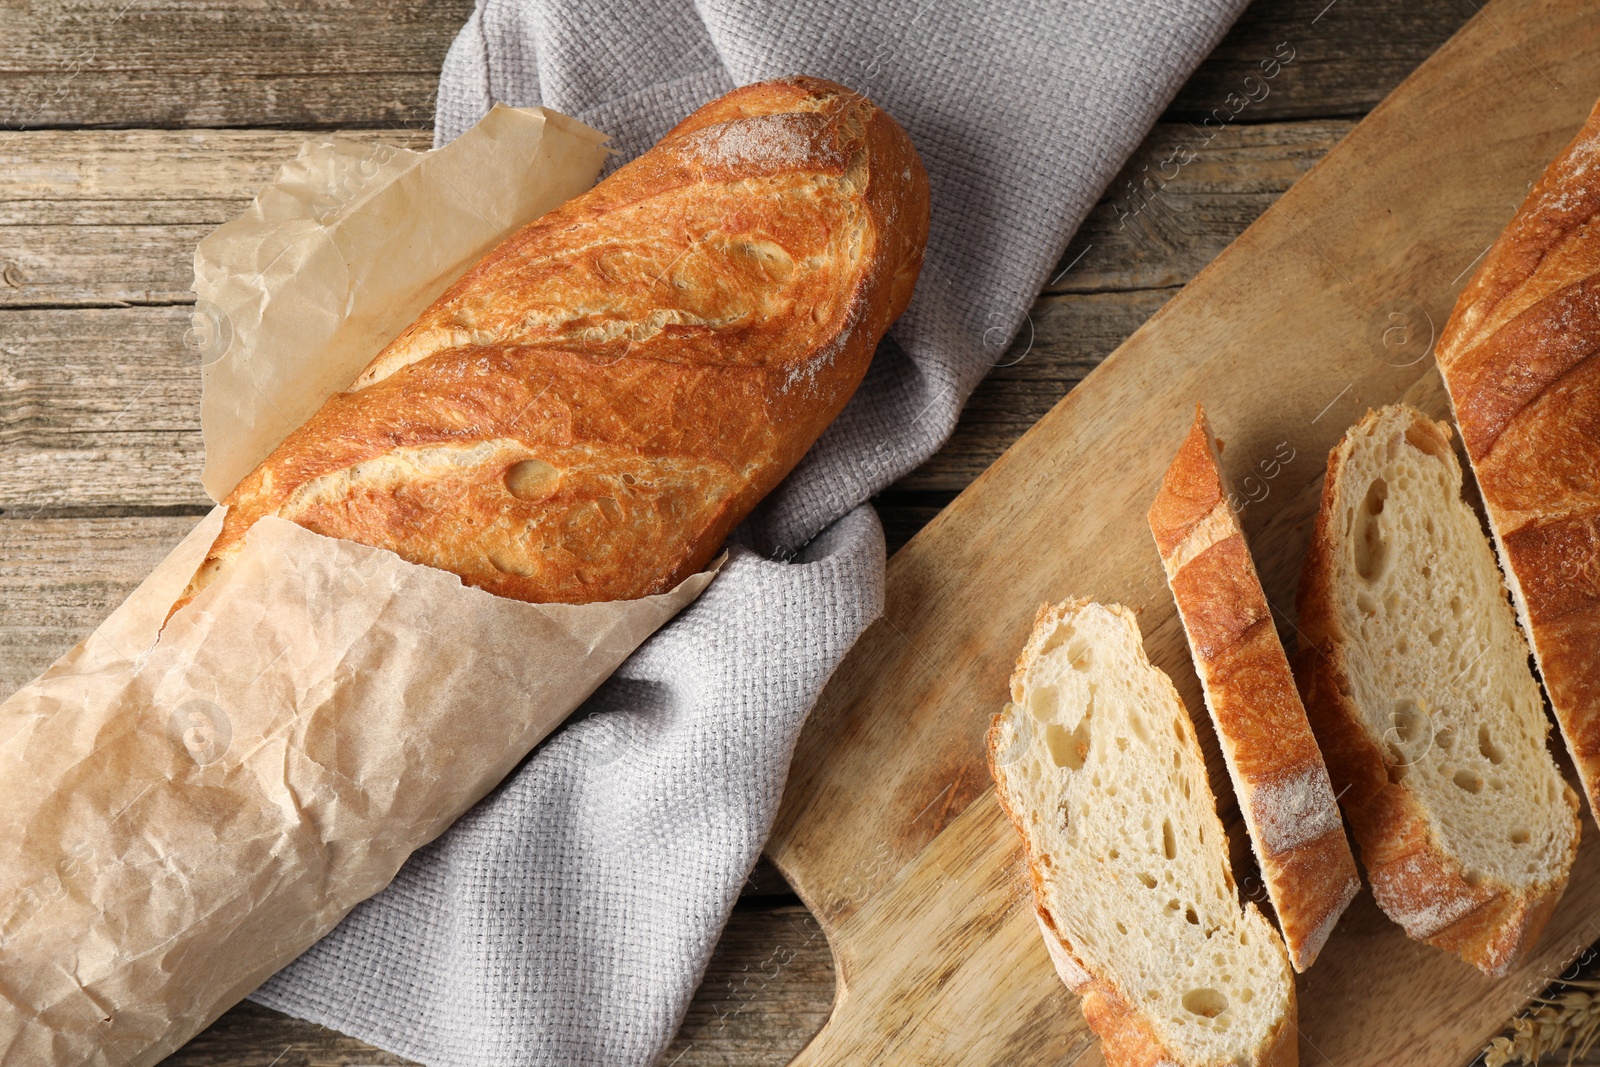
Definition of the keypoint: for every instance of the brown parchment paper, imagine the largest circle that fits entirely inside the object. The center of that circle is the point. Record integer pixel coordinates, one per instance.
(183, 810)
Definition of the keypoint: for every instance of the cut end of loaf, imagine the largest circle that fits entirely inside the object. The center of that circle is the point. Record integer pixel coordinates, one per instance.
(1420, 690)
(1097, 763)
(1519, 359)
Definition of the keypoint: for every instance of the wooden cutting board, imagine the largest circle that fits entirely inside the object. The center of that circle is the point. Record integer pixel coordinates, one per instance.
(1326, 306)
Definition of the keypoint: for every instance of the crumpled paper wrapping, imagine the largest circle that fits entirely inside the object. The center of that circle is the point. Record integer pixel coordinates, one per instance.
(188, 808)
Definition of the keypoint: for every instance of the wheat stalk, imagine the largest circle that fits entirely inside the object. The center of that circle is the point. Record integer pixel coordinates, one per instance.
(1569, 1020)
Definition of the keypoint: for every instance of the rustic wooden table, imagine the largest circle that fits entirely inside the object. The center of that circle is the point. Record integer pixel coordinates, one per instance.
(132, 127)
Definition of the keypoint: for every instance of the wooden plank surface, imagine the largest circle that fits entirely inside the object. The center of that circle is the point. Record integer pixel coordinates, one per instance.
(889, 829)
(219, 63)
(104, 218)
(180, 63)
(1348, 55)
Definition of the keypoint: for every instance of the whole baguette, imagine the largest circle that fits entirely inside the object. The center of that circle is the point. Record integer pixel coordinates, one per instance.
(588, 412)
(1518, 356)
(1278, 775)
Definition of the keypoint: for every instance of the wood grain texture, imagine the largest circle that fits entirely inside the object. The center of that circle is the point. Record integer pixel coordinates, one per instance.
(100, 407)
(224, 62)
(198, 63)
(54, 597)
(1387, 41)
(1182, 198)
(107, 217)
(889, 830)
(767, 989)
(259, 1037)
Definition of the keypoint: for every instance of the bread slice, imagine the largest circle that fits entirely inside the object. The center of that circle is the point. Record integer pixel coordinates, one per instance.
(1418, 686)
(1097, 764)
(1277, 770)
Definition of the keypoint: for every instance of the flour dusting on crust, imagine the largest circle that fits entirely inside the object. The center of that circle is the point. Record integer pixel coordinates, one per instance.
(786, 141)
(1294, 809)
(805, 371)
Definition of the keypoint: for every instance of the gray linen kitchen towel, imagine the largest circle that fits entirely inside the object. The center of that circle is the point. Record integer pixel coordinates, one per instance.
(568, 918)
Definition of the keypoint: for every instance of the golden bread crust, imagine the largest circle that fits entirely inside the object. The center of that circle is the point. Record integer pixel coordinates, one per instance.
(1518, 357)
(1283, 789)
(589, 411)
(1414, 880)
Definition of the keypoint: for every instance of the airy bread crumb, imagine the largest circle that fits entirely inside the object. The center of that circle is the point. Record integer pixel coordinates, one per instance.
(1420, 692)
(1097, 763)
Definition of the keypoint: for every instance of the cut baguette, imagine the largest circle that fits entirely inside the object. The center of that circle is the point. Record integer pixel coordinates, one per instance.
(1521, 358)
(1097, 764)
(1278, 776)
(1419, 690)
